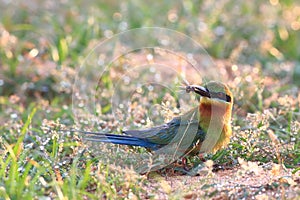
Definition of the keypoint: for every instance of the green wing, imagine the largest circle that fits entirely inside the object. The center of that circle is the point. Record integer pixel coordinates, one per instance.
(183, 130)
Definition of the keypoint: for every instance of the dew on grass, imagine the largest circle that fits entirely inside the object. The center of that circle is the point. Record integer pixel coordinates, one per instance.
(81, 105)
(14, 116)
(149, 58)
(21, 169)
(126, 80)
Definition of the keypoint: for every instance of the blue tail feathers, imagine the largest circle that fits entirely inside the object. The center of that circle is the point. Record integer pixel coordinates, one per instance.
(119, 139)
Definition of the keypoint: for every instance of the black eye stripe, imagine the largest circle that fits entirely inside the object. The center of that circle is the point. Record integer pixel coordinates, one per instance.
(220, 95)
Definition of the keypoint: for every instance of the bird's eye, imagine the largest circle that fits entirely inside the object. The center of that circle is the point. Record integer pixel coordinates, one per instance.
(220, 95)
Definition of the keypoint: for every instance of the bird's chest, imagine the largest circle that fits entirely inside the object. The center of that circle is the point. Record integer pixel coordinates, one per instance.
(212, 121)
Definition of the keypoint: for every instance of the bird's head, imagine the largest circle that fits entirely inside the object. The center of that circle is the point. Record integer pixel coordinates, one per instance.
(215, 111)
(213, 93)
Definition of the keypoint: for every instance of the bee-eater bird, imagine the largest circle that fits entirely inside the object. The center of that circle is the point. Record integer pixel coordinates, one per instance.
(208, 133)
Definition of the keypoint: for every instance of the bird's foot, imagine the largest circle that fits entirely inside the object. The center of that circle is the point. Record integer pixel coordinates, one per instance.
(201, 157)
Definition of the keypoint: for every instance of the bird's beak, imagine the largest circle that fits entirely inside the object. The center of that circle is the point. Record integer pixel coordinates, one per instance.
(202, 91)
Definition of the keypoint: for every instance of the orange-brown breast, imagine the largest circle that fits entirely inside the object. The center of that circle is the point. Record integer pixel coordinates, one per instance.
(216, 113)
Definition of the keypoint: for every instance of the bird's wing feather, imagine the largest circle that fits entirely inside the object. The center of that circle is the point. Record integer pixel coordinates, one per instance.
(165, 133)
(119, 139)
(184, 131)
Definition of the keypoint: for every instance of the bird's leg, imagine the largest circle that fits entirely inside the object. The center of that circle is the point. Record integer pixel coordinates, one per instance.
(201, 157)
(181, 166)
(184, 163)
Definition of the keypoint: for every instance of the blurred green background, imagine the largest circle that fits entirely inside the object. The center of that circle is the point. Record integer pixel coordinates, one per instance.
(39, 37)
